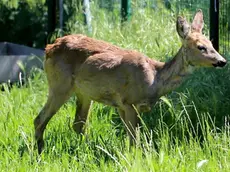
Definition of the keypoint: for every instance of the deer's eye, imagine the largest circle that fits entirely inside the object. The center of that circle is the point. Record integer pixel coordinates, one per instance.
(202, 48)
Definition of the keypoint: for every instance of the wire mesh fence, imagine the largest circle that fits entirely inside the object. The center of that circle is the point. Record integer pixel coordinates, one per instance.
(73, 13)
(186, 8)
(225, 27)
(190, 6)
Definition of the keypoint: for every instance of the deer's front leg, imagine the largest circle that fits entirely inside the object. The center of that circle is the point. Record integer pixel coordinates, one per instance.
(131, 120)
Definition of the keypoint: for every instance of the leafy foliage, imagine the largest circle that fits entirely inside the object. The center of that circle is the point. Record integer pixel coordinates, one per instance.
(23, 23)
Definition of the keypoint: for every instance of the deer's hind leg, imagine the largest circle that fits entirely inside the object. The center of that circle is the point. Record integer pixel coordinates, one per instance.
(53, 104)
(82, 110)
(60, 89)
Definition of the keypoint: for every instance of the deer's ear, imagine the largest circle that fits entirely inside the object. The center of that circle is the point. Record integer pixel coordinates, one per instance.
(198, 22)
(183, 27)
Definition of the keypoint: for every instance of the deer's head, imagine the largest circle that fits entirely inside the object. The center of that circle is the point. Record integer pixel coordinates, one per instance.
(198, 48)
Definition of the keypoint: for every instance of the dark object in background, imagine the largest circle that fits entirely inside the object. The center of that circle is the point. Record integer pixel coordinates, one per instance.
(17, 61)
(24, 24)
(214, 23)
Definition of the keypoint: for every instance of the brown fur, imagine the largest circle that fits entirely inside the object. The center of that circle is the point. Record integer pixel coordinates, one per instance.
(96, 70)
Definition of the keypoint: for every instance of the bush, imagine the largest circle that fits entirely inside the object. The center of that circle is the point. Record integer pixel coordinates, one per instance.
(23, 23)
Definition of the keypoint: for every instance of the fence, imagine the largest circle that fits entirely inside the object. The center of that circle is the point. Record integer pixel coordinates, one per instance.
(220, 27)
(224, 27)
(216, 16)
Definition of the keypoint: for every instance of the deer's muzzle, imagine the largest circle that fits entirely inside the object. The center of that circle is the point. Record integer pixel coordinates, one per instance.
(220, 63)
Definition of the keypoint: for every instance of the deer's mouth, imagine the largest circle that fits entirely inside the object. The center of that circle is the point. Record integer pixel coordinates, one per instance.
(220, 64)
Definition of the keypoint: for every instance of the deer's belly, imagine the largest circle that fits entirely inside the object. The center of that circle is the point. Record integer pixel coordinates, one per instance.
(100, 93)
(111, 92)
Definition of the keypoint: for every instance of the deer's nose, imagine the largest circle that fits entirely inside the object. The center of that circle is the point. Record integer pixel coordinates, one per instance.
(220, 63)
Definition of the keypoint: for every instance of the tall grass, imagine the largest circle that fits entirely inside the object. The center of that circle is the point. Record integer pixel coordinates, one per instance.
(187, 130)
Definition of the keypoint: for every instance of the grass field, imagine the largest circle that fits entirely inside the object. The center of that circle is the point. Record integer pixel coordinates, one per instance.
(187, 130)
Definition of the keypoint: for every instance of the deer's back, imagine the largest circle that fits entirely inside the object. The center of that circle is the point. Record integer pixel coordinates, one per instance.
(81, 45)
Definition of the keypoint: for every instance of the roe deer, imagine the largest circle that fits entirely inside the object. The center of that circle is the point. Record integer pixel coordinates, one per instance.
(96, 70)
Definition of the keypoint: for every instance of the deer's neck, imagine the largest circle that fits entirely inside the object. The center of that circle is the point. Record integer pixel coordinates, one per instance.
(173, 72)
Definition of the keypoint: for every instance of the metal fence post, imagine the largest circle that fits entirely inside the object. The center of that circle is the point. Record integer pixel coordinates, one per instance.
(61, 16)
(214, 23)
(125, 10)
(87, 14)
(51, 16)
